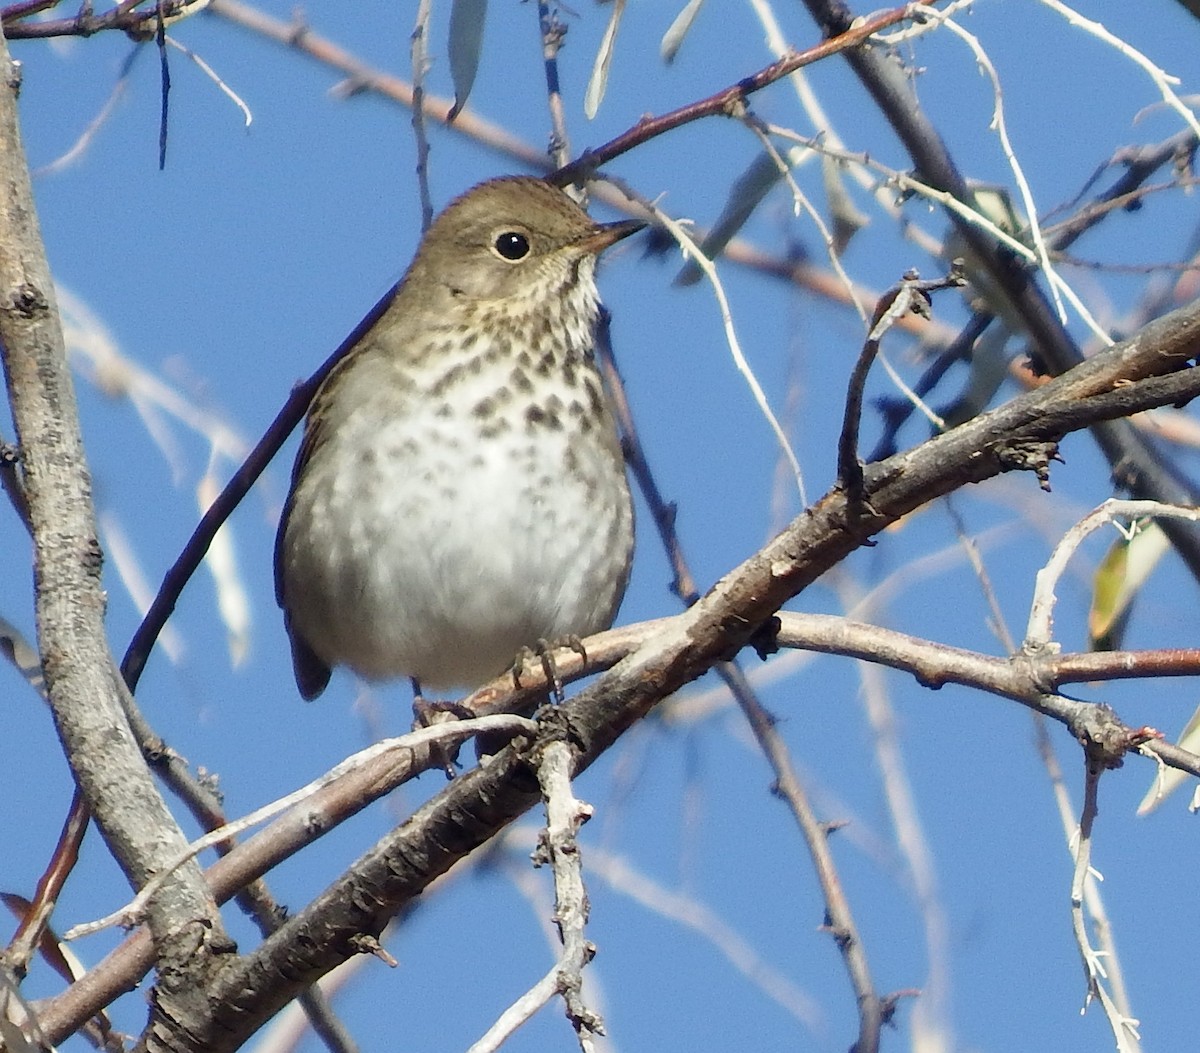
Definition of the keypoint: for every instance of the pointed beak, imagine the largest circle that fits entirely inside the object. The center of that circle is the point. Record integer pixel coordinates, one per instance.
(605, 234)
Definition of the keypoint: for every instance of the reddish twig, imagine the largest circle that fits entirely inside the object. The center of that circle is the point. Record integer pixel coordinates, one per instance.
(37, 919)
(730, 101)
(124, 17)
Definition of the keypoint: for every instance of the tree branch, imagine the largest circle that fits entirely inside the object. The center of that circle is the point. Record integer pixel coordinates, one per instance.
(475, 807)
(1137, 463)
(82, 686)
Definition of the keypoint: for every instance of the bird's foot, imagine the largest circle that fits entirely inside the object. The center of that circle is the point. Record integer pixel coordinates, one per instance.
(428, 713)
(543, 652)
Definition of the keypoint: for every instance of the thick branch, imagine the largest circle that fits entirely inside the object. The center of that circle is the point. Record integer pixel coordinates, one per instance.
(470, 811)
(81, 682)
(1029, 681)
(1137, 463)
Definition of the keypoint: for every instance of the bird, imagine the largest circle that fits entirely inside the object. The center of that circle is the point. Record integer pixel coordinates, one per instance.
(460, 494)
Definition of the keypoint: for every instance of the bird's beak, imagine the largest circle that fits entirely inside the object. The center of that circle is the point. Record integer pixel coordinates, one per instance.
(605, 234)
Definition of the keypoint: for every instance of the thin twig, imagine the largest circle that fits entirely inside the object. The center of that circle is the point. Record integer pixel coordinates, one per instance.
(420, 66)
(729, 101)
(896, 411)
(1124, 1029)
(442, 733)
(910, 296)
(1038, 634)
(1144, 470)
(208, 71)
(123, 17)
(691, 250)
(839, 918)
(553, 32)
(192, 555)
(1162, 80)
(164, 67)
(45, 898)
(683, 584)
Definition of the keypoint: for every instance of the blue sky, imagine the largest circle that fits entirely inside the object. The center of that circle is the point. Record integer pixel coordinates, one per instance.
(234, 272)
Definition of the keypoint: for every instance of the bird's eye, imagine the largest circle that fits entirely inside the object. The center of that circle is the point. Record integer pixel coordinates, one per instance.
(512, 245)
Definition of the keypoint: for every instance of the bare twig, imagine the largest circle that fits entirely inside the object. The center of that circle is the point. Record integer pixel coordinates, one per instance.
(164, 68)
(663, 511)
(66, 853)
(418, 739)
(1041, 614)
(420, 66)
(1143, 469)
(299, 37)
(730, 101)
(558, 846)
(553, 31)
(839, 919)
(84, 691)
(1124, 1029)
(123, 17)
(238, 486)
(910, 296)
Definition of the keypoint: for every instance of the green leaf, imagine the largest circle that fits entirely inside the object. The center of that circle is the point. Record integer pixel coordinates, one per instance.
(1119, 578)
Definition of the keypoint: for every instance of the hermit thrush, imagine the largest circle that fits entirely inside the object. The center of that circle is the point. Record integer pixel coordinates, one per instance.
(460, 492)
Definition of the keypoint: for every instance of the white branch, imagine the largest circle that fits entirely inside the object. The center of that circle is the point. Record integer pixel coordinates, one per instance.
(558, 846)
(450, 731)
(1041, 614)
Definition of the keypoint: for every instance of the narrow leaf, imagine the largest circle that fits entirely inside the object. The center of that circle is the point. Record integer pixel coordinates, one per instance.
(1119, 578)
(1106, 626)
(466, 42)
(599, 81)
(673, 37)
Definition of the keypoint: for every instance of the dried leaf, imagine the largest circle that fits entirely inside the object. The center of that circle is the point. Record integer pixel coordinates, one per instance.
(673, 37)
(466, 42)
(599, 80)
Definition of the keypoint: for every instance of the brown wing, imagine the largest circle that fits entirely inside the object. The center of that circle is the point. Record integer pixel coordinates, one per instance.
(312, 674)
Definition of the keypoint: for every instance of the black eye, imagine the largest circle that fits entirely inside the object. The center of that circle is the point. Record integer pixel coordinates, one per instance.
(512, 246)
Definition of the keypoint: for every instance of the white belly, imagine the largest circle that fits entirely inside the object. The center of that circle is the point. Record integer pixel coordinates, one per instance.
(433, 554)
